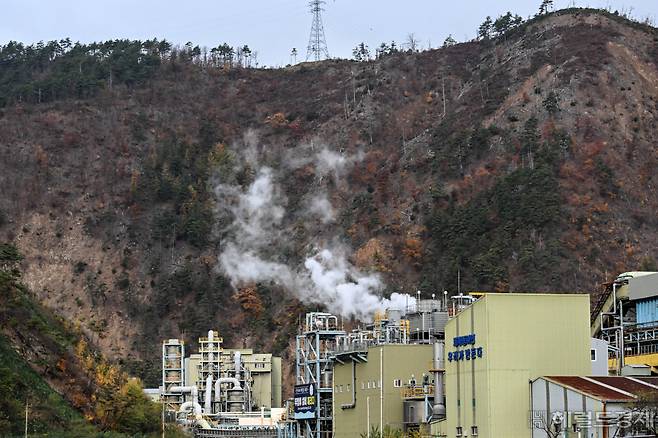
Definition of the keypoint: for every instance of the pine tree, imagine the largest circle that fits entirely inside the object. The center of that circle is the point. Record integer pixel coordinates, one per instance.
(361, 53)
(551, 103)
(450, 41)
(484, 31)
(545, 7)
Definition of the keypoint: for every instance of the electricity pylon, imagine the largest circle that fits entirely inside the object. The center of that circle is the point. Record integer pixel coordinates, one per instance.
(317, 43)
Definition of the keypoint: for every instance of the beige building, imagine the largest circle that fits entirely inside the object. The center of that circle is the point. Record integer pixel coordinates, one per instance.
(499, 344)
(370, 387)
(265, 370)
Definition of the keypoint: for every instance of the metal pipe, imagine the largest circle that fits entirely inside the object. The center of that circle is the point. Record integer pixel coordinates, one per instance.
(208, 399)
(219, 382)
(190, 404)
(193, 390)
(238, 364)
(381, 388)
(439, 354)
(622, 357)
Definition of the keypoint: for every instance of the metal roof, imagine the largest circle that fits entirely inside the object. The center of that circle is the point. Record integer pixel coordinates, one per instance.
(650, 380)
(628, 384)
(619, 389)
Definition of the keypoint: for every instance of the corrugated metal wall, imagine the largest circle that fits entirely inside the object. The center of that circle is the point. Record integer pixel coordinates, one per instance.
(647, 310)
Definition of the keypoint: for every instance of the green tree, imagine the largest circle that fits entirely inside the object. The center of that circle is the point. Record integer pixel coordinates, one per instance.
(361, 52)
(545, 7)
(484, 31)
(551, 103)
(9, 254)
(530, 139)
(503, 24)
(449, 42)
(246, 55)
(128, 410)
(382, 50)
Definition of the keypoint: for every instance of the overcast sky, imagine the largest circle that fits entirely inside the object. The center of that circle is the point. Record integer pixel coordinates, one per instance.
(271, 27)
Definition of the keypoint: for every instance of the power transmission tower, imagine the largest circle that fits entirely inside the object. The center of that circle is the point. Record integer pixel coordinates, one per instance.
(317, 43)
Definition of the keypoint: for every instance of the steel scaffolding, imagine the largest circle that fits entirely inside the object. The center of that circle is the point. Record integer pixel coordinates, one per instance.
(314, 366)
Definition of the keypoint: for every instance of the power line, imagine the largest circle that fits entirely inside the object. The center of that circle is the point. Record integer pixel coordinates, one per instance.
(317, 43)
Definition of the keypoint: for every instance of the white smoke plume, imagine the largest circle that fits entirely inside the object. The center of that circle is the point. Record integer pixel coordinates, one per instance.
(320, 207)
(256, 234)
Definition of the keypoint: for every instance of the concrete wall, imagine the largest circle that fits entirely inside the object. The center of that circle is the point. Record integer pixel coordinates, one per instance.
(375, 390)
(600, 362)
(523, 336)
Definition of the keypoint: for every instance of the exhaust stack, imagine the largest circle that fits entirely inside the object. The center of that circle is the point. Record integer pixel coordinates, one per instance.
(439, 408)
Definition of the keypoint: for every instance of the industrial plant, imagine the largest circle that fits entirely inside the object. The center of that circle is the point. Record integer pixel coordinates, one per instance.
(472, 365)
(221, 392)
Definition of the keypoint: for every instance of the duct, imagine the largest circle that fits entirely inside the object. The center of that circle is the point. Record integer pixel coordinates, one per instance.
(353, 404)
(439, 409)
(193, 390)
(218, 384)
(190, 404)
(238, 364)
(208, 399)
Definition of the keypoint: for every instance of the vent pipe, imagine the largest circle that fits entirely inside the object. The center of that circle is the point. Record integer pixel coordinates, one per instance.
(238, 364)
(439, 409)
(208, 399)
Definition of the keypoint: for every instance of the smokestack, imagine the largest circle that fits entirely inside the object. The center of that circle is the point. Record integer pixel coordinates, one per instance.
(439, 372)
(238, 364)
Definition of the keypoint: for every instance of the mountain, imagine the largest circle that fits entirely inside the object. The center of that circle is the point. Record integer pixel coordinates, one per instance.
(156, 192)
(54, 382)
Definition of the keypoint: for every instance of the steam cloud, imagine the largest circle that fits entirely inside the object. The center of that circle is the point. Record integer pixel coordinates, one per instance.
(256, 236)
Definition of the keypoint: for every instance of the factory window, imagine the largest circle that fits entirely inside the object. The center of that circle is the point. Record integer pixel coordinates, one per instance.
(363, 385)
(592, 353)
(340, 388)
(368, 384)
(348, 387)
(397, 383)
(379, 384)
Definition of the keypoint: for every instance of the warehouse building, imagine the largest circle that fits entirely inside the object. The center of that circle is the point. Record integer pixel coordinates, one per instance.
(593, 407)
(500, 343)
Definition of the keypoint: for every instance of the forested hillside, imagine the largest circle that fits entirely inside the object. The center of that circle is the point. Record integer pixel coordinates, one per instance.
(156, 192)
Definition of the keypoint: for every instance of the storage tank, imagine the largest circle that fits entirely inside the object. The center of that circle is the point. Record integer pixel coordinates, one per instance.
(393, 315)
(414, 412)
(439, 321)
(235, 400)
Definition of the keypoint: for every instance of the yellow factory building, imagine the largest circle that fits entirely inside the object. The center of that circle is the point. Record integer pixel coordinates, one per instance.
(499, 344)
(369, 391)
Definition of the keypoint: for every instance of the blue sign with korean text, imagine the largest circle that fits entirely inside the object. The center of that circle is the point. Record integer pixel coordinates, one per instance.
(305, 401)
(471, 353)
